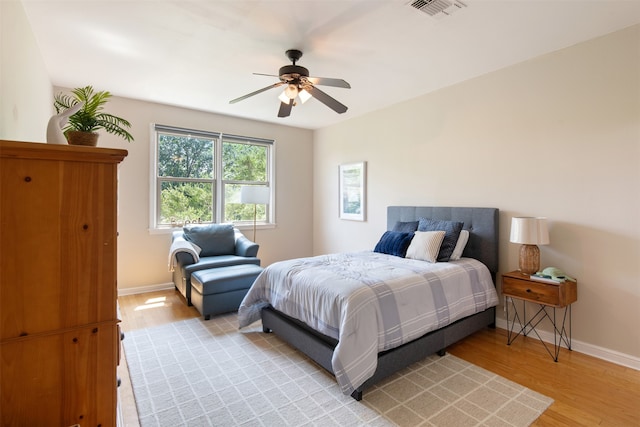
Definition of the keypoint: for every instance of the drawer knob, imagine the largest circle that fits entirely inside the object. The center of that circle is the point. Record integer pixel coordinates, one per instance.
(529, 290)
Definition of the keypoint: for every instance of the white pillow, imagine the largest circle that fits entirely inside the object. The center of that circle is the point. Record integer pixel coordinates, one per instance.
(425, 245)
(460, 245)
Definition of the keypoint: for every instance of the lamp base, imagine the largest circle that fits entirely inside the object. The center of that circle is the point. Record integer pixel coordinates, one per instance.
(255, 214)
(529, 259)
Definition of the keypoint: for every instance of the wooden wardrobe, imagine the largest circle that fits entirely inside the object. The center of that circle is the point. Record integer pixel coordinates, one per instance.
(60, 339)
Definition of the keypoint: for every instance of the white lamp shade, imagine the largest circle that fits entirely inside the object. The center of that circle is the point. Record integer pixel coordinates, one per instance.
(529, 231)
(254, 194)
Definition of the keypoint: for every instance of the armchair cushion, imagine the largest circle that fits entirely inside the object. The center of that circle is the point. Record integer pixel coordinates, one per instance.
(213, 239)
(207, 263)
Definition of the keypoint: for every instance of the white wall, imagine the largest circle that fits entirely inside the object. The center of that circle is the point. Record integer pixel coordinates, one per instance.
(558, 136)
(142, 256)
(26, 98)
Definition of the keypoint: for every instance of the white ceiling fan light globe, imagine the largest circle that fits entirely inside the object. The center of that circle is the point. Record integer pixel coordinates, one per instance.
(291, 91)
(304, 96)
(283, 97)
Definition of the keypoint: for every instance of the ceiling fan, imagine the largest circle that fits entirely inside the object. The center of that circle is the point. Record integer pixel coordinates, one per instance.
(300, 85)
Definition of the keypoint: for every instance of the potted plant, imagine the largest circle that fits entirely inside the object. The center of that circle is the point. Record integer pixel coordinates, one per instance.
(82, 126)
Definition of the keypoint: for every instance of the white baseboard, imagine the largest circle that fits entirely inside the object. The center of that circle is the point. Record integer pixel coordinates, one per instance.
(145, 289)
(588, 349)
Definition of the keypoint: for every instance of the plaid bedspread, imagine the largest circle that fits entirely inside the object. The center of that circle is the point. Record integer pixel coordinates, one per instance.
(369, 302)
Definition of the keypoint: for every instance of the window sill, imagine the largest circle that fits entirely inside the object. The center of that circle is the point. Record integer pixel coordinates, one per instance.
(241, 227)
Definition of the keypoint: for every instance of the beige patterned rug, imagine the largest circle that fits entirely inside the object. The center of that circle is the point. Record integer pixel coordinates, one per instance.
(208, 373)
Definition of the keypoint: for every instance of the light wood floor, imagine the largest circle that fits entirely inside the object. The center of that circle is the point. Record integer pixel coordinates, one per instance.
(587, 391)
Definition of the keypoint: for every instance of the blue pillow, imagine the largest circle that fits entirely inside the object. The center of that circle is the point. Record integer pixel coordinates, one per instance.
(405, 227)
(213, 239)
(452, 232)
(394, 243)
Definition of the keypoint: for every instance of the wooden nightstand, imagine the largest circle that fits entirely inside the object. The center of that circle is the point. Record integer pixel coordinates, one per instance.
(549, 296)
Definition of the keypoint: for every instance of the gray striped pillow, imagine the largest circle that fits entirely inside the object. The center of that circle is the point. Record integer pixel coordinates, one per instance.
(425, 245)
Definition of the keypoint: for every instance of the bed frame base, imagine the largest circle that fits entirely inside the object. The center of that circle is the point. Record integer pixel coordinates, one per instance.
(482, 224)
(320, 348)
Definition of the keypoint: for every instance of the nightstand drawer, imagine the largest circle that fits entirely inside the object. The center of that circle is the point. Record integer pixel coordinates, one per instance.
(558, 295)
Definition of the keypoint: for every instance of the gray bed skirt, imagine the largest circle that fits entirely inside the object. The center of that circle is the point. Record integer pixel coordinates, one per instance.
(320, 348)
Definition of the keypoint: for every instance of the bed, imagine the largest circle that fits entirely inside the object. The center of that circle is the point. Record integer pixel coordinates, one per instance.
(329, 344)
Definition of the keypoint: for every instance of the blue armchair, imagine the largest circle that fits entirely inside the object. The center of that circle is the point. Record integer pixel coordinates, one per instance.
(206, 247)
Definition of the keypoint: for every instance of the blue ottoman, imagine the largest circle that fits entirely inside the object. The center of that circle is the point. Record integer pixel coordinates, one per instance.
(220, 290)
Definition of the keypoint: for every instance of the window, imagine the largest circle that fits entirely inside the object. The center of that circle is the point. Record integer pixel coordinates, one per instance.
(198, 176)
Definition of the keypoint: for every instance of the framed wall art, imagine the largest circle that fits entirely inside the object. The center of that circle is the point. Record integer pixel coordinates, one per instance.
(353, 191)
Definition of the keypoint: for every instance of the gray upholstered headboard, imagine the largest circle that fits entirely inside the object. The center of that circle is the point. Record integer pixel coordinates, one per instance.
(482, 224)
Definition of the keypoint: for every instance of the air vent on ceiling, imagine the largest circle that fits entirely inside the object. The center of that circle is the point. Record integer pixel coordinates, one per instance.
(438, 8)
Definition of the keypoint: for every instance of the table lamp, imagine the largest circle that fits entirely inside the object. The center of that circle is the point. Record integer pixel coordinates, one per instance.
(256, 195)
(530, 232)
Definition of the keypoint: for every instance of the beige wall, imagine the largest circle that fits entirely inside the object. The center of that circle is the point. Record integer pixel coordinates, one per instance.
(558, 136)
(142, 256)
(26, 100)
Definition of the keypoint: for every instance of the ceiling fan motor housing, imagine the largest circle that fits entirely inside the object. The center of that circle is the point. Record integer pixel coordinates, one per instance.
(289, 72)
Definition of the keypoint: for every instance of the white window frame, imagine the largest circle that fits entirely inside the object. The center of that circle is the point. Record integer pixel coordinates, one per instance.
(219, 183)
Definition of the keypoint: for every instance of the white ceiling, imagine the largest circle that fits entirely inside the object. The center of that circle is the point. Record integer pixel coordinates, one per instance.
(201, 54)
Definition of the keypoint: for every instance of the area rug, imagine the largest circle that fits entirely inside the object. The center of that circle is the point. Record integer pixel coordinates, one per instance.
(209, 373)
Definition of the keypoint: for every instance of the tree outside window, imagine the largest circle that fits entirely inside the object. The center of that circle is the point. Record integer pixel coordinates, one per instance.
(199, 171)
(243, 164)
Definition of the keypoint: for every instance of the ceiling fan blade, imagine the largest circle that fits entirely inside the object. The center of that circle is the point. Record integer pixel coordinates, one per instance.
(327, 100)
(268, 75)
(233, 101)
(285, 109)
(324, 81)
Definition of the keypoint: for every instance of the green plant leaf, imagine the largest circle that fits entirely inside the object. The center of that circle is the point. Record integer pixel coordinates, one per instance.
(90, 117)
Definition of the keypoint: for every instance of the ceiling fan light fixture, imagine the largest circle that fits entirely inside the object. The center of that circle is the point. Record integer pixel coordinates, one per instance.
(291, 91)
(283, 97)
(298, 84)
(304, 96)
